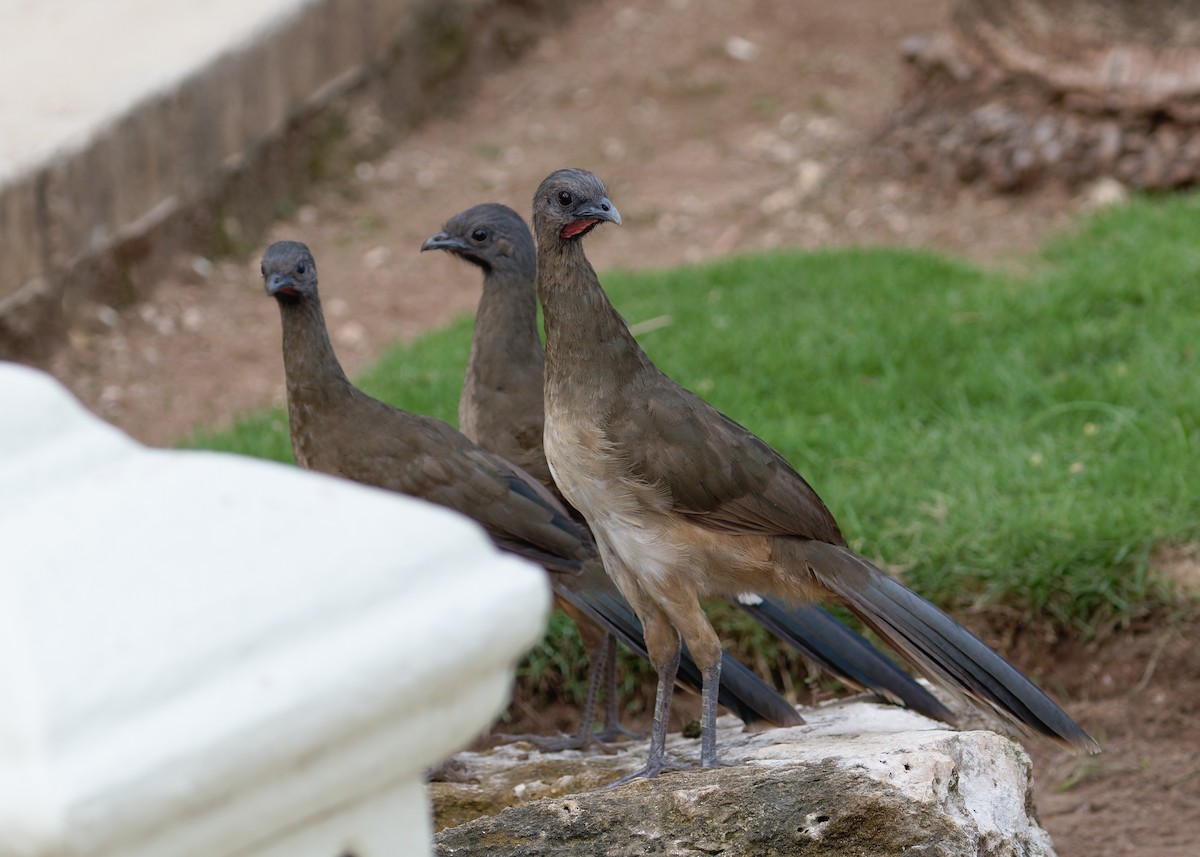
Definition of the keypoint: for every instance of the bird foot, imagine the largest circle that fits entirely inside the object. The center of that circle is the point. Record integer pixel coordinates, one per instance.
(611, 734)
(653, 768)
(559, 743)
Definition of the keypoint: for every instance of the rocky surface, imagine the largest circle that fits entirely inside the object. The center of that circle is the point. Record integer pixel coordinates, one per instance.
(859, 778)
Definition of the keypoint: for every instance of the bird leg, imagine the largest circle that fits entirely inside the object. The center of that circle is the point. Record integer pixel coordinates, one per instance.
(682, 606)
(662, 713)
(708, 715)
(599, 659)
(665, 646)
(597, 662)
(657, 761)
(613, 730)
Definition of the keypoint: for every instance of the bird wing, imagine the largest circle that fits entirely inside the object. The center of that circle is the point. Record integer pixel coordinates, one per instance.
(427, 458)
(714, 470)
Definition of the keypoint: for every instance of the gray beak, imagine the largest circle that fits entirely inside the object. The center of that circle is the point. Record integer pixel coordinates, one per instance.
(603, 209)
(442, 241)
(277, 283)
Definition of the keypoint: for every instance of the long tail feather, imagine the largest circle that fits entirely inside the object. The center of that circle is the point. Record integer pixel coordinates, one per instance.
(843, 653)
(940, 647)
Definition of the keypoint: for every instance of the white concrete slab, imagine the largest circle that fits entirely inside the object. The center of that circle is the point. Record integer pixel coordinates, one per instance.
(81, 63)
(205, 654)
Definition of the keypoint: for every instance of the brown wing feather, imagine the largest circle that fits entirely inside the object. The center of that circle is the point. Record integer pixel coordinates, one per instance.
(715, 471)
(426, 458)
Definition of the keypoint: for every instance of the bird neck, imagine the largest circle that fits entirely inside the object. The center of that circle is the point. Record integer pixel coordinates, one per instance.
(506, 351)
(501, 403)
(309, 363)
(582, 325)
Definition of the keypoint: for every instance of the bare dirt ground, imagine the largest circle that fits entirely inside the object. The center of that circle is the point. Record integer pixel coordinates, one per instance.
(719, 127)
(1139, 694)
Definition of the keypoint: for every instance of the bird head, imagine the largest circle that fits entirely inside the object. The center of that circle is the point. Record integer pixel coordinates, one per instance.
(492, 236)
(571, 203)
(289, 272)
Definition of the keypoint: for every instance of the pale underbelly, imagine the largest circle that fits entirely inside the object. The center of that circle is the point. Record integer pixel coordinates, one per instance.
(634, 523)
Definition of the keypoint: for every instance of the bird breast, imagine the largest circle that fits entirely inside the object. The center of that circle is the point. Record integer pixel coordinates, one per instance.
(634, 522)
(628, 516)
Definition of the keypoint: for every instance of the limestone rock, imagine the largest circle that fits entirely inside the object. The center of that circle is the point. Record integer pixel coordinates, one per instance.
(858, 778)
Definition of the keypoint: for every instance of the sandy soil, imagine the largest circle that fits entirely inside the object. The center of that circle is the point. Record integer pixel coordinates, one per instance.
(719, 127)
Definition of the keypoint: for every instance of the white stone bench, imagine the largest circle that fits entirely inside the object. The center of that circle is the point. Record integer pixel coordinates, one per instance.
(206, 655)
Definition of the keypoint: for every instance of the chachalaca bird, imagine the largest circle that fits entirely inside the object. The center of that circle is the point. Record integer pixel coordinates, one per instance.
(684, 502)
(501, 409)
(336, 428)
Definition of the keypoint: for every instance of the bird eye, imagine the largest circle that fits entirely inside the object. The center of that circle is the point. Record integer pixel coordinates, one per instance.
(301, 268)
(480, 234)
(564, 198)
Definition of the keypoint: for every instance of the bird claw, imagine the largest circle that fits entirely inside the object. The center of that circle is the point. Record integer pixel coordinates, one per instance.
(653, 768)
(618, 733)
(558, 744)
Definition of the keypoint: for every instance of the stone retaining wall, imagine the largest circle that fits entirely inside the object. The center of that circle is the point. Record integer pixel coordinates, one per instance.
(231, 139)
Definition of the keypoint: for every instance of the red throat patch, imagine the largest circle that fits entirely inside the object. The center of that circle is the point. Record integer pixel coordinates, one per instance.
(578, 227)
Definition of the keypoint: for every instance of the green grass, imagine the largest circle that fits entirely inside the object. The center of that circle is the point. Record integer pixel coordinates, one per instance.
(1016, 440)
(1024, 440)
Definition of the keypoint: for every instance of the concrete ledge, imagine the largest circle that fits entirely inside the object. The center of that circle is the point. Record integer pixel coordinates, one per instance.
(209, 654)
(169, 115)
